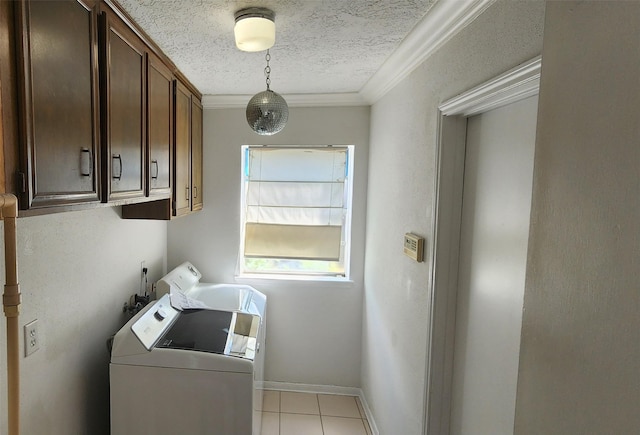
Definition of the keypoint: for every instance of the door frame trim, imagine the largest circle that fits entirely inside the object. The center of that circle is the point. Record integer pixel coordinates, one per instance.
(514, 85)
(519, 83)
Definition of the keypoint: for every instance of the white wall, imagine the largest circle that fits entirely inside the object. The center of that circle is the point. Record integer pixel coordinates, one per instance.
(580, 348)
(400, 199)
(314, 328)
(76, 270)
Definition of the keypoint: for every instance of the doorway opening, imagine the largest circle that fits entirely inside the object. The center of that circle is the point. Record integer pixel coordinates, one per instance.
(442, 403)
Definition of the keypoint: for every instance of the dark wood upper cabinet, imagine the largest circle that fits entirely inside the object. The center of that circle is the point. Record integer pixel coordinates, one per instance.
(59, 103)
(187, 162)
(182, 163)
(196, 154)
(91, 113)
(159, 126)
(123, 109)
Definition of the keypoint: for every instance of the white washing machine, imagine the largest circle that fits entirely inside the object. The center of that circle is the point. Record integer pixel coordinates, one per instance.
(195, 371)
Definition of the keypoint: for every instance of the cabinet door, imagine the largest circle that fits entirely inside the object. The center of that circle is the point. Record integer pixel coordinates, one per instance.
(124, 110)
(60, 106)
(196, 154)
(182, 164)
(159, 125)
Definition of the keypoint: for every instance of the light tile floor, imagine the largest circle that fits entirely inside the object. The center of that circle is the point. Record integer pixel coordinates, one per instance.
(292, 413)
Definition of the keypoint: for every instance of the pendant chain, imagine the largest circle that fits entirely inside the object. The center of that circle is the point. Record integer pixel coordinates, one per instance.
(267, 70)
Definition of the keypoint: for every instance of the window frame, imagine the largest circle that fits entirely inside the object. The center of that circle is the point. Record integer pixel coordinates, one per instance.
(347, 232)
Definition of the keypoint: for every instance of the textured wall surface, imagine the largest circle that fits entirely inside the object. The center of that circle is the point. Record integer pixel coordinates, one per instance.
(580, 348)
(401, 186)
(76, 270)
(314, 328)
(321, 46)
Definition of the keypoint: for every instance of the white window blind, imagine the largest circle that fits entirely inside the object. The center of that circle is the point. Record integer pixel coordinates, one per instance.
(295, 202)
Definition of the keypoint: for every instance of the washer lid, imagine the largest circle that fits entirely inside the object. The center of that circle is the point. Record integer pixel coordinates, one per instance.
(199, 330)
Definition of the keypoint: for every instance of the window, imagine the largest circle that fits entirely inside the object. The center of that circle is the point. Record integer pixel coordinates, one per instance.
(296, 210)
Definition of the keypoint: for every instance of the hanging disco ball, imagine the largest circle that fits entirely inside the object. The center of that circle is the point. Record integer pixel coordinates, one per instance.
(267, 113)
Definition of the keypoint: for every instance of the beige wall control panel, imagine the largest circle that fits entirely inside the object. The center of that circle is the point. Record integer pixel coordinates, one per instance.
(414, 246)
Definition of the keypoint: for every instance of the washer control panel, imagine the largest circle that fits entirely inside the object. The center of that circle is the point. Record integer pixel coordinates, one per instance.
(154, 322)
(183, 277)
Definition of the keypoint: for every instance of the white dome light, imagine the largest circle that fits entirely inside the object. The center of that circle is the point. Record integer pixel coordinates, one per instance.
(255, 29)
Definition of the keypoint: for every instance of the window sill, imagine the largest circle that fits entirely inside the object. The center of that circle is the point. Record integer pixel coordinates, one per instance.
(283, 277)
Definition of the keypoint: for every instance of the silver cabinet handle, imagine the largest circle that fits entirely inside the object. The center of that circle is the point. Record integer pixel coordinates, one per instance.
(187, 192)
(195, 191)
(119, 159)
(154, 163)
(85, 162)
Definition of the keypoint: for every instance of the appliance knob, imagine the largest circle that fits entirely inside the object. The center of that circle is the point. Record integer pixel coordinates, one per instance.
(160, 314)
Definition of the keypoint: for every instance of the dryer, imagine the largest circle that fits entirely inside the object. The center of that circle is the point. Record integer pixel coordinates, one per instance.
(195, 371)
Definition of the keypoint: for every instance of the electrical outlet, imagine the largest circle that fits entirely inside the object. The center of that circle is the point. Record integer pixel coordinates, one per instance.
(31, 338)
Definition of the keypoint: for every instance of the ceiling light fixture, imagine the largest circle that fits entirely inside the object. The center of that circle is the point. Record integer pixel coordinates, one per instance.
(267, 112)
(255, 29)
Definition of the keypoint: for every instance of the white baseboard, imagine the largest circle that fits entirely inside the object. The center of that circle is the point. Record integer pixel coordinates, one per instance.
(309, 388)
(326, 389)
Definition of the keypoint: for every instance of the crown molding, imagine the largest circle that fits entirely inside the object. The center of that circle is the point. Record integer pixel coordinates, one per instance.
(516, 84)
(444, 20)
(293, 100)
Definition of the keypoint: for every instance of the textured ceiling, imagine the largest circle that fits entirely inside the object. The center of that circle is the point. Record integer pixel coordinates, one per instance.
(322, 46)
